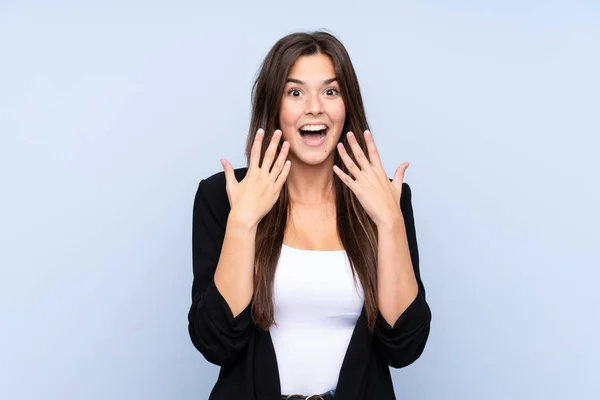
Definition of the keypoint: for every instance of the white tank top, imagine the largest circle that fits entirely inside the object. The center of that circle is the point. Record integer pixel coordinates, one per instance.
(317, 303)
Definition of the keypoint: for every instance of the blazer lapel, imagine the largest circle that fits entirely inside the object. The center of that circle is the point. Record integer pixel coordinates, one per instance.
(266, 373)
(350, 382)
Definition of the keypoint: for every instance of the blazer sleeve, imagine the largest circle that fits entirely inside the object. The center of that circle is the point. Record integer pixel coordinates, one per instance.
(402, 344)
(213, 329)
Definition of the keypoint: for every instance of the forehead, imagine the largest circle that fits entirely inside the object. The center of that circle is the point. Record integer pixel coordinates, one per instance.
(312, 69)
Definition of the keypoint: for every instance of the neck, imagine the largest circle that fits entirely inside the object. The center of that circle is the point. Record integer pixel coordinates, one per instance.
(311, 184)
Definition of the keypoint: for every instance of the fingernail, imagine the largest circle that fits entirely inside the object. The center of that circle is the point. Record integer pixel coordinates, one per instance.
(350, 134)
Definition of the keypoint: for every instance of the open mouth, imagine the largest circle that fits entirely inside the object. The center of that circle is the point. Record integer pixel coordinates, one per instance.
(314, 137)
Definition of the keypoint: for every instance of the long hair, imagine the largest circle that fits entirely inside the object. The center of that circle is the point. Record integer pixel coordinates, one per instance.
(356, 230)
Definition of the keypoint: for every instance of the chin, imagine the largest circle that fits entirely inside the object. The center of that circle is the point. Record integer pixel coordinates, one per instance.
(314, 160)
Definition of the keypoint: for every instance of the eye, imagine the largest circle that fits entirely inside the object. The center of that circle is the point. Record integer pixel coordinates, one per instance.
(292, 91)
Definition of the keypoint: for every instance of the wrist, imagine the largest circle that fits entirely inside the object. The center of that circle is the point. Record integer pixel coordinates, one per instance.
(391, 224)
(240, 222)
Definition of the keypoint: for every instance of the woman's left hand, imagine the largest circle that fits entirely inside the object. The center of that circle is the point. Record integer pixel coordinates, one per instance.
(379, 197)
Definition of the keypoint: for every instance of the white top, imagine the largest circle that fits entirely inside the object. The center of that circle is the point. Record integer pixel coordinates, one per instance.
(317, 303)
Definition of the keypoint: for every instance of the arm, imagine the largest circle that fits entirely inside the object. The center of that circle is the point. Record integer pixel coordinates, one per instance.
(404, 320)
(223, 257)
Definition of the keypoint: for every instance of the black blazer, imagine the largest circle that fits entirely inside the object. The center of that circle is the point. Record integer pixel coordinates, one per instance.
(246, 353)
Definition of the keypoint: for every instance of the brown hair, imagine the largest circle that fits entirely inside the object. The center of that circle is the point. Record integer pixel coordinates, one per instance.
(356, 230)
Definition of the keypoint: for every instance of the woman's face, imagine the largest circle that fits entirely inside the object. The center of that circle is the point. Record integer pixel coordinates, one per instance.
(312, 100)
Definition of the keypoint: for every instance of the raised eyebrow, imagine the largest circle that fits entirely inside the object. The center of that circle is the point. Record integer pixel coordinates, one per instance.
(299, 82)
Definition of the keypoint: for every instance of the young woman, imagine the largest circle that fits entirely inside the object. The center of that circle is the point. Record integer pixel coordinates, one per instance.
(306, 267)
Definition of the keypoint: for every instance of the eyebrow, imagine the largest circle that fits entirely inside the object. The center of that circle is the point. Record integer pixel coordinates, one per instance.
(299, 82)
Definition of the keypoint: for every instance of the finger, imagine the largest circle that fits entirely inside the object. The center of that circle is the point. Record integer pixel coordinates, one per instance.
(351, 183)
(348, 162)
(255, 152)
(399, 176)
(270, 152)
(229, 173)
(276, 170)
(373, 153)
(361, 159)
(283, 175)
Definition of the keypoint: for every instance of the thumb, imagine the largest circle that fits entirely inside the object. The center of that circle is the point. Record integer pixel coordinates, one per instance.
(229, 174)
(399, 176)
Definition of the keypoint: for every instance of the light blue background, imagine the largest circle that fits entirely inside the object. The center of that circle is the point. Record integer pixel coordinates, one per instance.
(111, 112)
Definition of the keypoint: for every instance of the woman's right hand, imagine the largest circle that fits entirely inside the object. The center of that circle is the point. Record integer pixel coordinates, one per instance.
(253, 197)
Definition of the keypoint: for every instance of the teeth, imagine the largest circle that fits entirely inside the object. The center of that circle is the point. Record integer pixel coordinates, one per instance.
(313, 127)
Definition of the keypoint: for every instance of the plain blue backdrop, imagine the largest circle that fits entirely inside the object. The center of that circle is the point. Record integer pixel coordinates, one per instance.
(111, 112)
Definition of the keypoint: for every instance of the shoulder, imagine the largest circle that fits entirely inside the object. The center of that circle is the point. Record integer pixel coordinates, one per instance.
(211, 195)
(406, 195)
(214, 185)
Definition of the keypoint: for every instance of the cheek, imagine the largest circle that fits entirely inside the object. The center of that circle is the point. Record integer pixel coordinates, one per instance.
(287, 121)
(338, 111)
(289, 112)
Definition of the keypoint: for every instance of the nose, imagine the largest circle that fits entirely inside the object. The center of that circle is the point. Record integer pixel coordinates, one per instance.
(314, 105)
